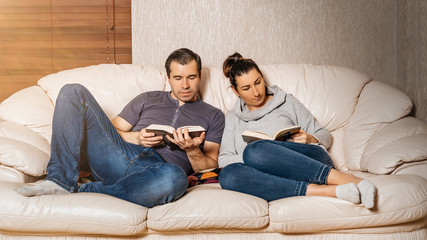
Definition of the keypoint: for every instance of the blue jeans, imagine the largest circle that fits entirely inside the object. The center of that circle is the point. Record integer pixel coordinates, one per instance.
(81, 131)
(277, 169)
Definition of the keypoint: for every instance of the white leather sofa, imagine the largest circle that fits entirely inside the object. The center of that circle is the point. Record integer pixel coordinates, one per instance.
(373, 138)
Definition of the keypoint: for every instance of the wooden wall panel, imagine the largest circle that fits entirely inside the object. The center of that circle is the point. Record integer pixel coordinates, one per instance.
(39, 37)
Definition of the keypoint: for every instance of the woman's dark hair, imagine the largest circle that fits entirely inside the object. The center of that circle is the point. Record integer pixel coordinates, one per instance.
(235, 65)
(183, 56)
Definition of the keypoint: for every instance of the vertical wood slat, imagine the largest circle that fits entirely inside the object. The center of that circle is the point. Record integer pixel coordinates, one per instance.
(37, 38)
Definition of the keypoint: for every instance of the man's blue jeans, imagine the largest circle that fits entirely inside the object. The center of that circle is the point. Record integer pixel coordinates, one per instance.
(81, 131)
(277, 169)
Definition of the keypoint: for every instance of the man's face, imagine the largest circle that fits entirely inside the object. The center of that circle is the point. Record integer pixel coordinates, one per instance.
(184, 81)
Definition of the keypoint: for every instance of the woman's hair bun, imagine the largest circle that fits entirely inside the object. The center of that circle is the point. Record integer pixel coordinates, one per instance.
(229, 63)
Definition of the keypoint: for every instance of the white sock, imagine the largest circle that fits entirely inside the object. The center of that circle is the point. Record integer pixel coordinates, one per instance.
(348, 192)
(45, 187)
(368, 192)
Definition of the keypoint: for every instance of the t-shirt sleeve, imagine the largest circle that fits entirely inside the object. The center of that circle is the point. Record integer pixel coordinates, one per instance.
(132, 111)
(216, 128)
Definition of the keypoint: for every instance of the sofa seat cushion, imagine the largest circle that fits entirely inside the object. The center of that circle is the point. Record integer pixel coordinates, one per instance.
(400, 199)
(207, 206)
(78, 213)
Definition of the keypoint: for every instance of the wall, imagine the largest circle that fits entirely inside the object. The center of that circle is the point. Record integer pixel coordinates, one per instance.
(412, 53)
(356, 34)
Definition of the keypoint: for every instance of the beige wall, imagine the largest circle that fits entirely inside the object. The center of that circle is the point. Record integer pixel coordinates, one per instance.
(411, 35)
(357, 34)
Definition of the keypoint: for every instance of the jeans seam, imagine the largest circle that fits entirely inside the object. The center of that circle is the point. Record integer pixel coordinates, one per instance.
(108, 136)
(300, 184)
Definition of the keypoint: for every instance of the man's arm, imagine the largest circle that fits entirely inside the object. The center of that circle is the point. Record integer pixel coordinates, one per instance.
(199, 161)
(209, 159)
(142, 138)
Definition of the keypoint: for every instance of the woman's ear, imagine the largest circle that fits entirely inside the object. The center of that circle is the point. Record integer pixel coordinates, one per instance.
(235, 91)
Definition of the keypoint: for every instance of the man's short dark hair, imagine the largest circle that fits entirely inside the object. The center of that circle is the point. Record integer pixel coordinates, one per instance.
(183, 56)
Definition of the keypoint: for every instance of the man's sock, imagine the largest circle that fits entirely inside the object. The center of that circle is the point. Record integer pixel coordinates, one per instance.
(368, 192)
(348, 192)
(45, 187)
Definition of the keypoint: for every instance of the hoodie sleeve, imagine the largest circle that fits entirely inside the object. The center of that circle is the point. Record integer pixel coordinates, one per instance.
(306, 121)
(227, 152)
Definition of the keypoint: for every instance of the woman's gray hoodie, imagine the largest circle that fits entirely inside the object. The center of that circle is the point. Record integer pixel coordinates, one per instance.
(282, 111)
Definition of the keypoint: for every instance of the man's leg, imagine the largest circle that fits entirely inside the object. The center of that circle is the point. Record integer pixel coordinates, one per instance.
(79, 125)
(147, 182)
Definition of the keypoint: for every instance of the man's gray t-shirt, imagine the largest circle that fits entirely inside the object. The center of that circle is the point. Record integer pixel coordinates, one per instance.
(158, 107)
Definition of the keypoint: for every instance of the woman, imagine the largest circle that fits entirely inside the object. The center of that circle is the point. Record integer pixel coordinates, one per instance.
(278, 169)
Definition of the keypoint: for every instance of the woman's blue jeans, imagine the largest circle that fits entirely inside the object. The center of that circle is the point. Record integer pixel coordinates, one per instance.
(81, 131)
(277, 169)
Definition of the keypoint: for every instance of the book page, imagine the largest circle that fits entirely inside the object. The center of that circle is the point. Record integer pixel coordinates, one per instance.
(286, 133)
(250, 136)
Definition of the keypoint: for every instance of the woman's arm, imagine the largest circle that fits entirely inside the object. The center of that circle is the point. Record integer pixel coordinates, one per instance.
(227, 152)
(304, 118)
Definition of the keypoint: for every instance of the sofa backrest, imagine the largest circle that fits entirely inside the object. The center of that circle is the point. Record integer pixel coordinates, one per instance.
(113, 86)
(346, 102)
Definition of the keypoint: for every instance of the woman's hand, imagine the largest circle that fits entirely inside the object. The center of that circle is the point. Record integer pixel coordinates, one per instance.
(303, 137)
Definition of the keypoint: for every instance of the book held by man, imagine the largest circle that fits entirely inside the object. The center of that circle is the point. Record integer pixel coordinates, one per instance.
(281, 135)
(159, 129)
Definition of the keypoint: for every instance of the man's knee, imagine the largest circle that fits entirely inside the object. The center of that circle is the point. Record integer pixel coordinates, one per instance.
(173, 182)
(71, 90)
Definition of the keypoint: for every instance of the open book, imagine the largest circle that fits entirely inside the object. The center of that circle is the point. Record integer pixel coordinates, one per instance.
(158, 129)
(281, 135)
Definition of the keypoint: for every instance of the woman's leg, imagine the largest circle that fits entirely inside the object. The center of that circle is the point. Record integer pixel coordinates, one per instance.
(310, 163)
(245, 179)
(296, 161)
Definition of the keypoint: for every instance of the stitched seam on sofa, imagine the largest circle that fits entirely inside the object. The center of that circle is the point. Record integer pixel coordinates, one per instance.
(62, 220)
(206, 218)
(423, 204)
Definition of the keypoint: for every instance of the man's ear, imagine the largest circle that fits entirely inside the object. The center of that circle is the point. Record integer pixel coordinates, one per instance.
(235, 91)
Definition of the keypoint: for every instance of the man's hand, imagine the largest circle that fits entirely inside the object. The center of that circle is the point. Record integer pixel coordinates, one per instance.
(184, 141)
(199, 160)
(142, 138)
(303, 137)
(149, 139)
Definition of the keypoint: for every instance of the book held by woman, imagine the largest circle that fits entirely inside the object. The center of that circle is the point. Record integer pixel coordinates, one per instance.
(281, 135)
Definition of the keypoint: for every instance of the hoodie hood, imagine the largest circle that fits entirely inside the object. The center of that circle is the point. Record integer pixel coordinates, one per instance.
(243, 112)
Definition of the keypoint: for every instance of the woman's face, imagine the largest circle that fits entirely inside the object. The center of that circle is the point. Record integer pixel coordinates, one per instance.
(251, 89)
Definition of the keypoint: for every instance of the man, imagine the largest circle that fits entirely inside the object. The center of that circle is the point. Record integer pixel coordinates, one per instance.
(125, 160)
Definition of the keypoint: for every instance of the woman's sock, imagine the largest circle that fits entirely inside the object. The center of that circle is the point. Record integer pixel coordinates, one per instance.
(368, 192)
(42, 188)
(348, 192)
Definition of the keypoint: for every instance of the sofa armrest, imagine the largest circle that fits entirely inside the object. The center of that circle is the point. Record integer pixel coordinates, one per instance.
(30, 107)
(400, 142)
(23, 149)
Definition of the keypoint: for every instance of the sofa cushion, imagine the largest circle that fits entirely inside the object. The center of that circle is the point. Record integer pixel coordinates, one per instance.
(400, 199)
(23, 149)
(112, 85)
(83, 213)
(379, 104)
(402, 141)
(208, 207)
(30, 107)
(330, 93)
